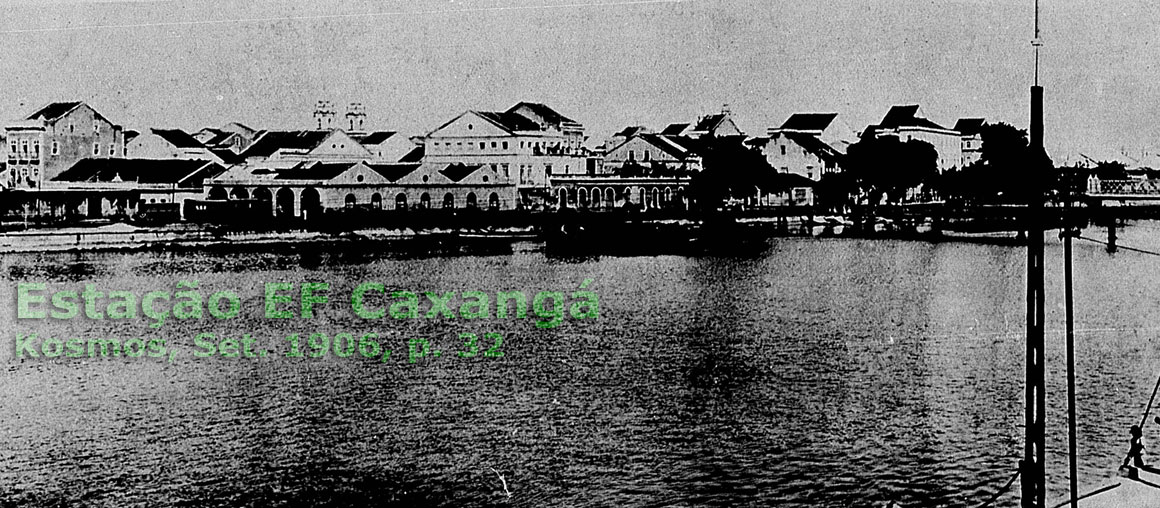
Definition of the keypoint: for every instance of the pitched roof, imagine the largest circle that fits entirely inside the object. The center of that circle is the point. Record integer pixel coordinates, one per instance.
(415, 155)
(814, 146)
(904, 116)
(708, 123)
(549, 115)
(166, 171)
(393, 172)
(53, 111)
(809, 121)
(227, 156)
(969, 126)
(372, 138)
(458, 171)
(631, 131)
(510, 121)
(178, 138)
(675, 129)
(313, 171)
(272, 141)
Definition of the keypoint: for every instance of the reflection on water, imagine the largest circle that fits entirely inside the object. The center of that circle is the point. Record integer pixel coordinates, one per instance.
(810, 372)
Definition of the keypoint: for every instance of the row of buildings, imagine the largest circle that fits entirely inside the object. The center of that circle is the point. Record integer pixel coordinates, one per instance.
(68, 160)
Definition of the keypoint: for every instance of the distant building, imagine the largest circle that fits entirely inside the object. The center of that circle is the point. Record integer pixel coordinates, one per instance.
(653, 150)
(907, 123)
(306, 189)
(826, 127)
(314, 145)
(101, 187)
(719, 125)
(168, 144)
(800, 154)
(54, 138)
(527, 143)
(385, 145)
(971, 132)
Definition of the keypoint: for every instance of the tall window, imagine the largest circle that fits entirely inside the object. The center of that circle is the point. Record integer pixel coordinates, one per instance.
(96, 126)
(24, 145)
(783, 149)
(631, 155)
(36, 148)
(55, 148)
(112, 149)
(12, 146)
(96, 148)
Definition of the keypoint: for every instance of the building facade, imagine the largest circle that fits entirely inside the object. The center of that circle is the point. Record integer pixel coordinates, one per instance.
(55, 137)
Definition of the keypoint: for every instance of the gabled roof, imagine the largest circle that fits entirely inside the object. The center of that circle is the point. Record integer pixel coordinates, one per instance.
(814, 146)
(631, 131)
(393, 172)
(415, 155)
(509, 121)
(675, 129)
(272, 141)
(710, 122)
(178, 138)
(905, 116)
(809, 121)
(227, 156)
(185, 172)
(53, 111)
(458, 171)
(969, 126)
(549, 115)
(313, 171)
(372, 138)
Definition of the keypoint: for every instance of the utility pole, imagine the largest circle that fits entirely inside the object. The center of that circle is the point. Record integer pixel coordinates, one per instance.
(1032, 466)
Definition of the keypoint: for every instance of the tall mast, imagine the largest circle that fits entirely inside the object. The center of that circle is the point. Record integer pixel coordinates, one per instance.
(1033, 468)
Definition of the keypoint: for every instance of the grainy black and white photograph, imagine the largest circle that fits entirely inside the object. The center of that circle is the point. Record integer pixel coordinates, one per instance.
(579, 253)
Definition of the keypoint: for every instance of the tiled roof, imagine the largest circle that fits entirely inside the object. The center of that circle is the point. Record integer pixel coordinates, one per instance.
(373, 138)
(415, 155)
(814, 146)
(53, 111)
(313, 171)
(969, 126)
(272, 141)
(510, 121)
(548, 114)
(631, 131)
(710, 122)
(178, 138)
(904, 116)
(458, 171)
(167, 171)
(809, 121)
(393, 172)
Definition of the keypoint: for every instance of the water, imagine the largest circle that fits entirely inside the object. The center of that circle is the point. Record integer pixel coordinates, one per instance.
(813, 373)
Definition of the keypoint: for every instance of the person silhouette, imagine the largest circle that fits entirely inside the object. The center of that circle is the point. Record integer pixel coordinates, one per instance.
(1136, 447)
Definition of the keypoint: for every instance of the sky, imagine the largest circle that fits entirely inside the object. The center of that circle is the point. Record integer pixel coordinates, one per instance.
(605, 63)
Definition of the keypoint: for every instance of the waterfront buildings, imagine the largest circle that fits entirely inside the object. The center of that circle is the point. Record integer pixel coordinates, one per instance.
(971, 133)
(528, 143)
(906, 123)
(53, 138)
(168, 144)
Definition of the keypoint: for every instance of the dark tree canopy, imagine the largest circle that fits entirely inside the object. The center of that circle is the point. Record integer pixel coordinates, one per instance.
(889, 166)
(1002, 174)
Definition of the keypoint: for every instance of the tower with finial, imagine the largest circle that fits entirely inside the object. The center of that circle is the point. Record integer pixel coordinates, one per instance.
(356, 116)
(324, 115)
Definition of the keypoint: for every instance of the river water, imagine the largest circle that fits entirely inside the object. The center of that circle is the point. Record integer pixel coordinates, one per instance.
(809, 373)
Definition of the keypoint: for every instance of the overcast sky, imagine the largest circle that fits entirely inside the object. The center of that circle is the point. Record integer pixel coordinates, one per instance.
(606, 63)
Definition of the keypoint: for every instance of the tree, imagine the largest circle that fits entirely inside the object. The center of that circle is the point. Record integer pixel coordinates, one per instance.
(1002, 173)
(888, 166)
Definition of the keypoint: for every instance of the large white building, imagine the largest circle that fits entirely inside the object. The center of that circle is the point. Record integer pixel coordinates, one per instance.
(907, 123)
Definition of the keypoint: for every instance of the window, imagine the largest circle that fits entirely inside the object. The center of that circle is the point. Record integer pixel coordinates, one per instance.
(24, 145)
(12, 146)
(547, 169)
(482, 145)
(36, 148)
(631, 155)
(506, 170)
(493, 144)
(96, 148)
(505, 145)
(783, 149)
(112, 149)
(55, 148)
(96, 126)
(647, 156)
